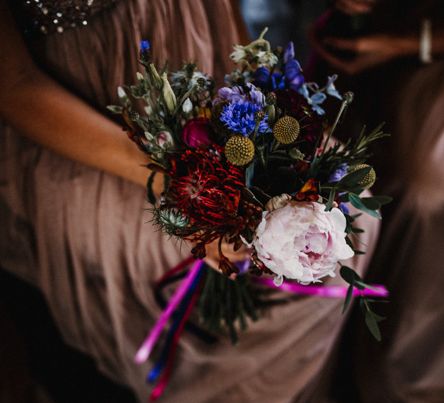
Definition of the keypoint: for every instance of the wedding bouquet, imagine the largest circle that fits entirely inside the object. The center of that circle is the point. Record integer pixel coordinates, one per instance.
(254, 164)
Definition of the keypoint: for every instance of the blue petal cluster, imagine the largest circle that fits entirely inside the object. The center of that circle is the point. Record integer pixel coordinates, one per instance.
(145, 45)
(240, 117)
(339, 173)
(291, 76)
(315, 96)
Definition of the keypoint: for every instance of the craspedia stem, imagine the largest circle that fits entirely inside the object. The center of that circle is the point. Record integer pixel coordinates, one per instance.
(348, 99)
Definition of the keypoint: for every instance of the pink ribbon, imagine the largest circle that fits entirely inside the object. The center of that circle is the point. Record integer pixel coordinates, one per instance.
(147, 346)
(333, 291)
(330, 291)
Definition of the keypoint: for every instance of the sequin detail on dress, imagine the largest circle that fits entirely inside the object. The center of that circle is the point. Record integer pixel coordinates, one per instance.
(48, 16)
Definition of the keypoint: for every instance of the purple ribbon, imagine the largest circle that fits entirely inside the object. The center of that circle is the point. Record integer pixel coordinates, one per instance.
(330, 291)
(147, 346)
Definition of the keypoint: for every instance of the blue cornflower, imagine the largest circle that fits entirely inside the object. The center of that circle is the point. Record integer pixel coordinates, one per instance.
(240, 117)
(145, 46)
(339, 173)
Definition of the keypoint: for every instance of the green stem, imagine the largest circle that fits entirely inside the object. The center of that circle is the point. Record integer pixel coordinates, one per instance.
(348, 98)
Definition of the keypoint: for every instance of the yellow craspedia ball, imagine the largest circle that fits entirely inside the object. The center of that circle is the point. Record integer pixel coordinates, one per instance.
(286, 130)
(239, 150)
(368, 180)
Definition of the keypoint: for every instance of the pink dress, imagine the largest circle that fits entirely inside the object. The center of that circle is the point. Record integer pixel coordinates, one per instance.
(83, 237)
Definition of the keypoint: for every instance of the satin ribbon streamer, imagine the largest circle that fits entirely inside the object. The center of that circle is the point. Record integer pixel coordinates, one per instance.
(147, 346)
(323, 291)
(185, 292)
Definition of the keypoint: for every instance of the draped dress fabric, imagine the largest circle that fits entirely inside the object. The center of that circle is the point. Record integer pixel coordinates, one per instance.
(84, 237)
(408, 365)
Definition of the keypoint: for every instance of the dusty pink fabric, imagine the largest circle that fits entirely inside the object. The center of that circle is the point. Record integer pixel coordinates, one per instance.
(408, 365)
(84, 238)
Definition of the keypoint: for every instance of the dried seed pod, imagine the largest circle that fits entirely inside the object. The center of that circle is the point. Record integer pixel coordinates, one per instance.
(239, 150)
(286, 130)
(368, 180)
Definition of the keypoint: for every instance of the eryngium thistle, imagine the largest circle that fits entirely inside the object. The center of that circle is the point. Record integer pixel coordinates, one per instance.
(170, 220)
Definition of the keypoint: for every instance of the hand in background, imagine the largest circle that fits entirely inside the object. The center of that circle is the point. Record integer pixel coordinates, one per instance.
(213, 257)
(369, 51)
(353, 7)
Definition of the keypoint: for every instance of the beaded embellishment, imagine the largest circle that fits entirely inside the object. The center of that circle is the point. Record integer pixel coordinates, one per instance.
(48, 16)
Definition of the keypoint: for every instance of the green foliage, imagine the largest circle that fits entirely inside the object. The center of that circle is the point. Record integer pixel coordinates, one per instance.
(357, 202)
(225, 304)
(355, 281)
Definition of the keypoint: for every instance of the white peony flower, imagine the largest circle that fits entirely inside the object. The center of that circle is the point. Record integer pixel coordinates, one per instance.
(302, 241)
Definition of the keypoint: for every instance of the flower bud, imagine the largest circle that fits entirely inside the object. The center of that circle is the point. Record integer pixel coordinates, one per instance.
(187, 106)
(167, 93)
(121, 93)
(155, 76)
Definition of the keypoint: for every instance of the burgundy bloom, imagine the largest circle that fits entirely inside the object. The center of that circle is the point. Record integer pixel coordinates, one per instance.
(206, 188)
(294, 104)
(196, 133)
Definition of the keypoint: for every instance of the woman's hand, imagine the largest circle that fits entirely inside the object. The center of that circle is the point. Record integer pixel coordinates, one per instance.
(369, 51)
(44, 111)
(213, 256)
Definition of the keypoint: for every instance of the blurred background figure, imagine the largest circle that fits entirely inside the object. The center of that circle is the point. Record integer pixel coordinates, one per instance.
(389, 53)
(286, 19)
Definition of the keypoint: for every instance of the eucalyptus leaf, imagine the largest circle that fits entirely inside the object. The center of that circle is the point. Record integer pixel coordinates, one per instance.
(331, 199)
(356, 201)
(348, 298)
(372, 324)
(349, 275)
(358, 252)
(357, 230)
(370, 203)
(364, 285)
(383, 199)
(353, 178)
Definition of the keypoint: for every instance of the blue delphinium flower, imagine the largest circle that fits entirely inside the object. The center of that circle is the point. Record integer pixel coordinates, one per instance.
(262, 77)
(145, 46)
(316, 96)
(330, 87)
(291, 76)
(344, 208)
(315, 100)
(292, 69)
(339, 173)
(240, 117)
